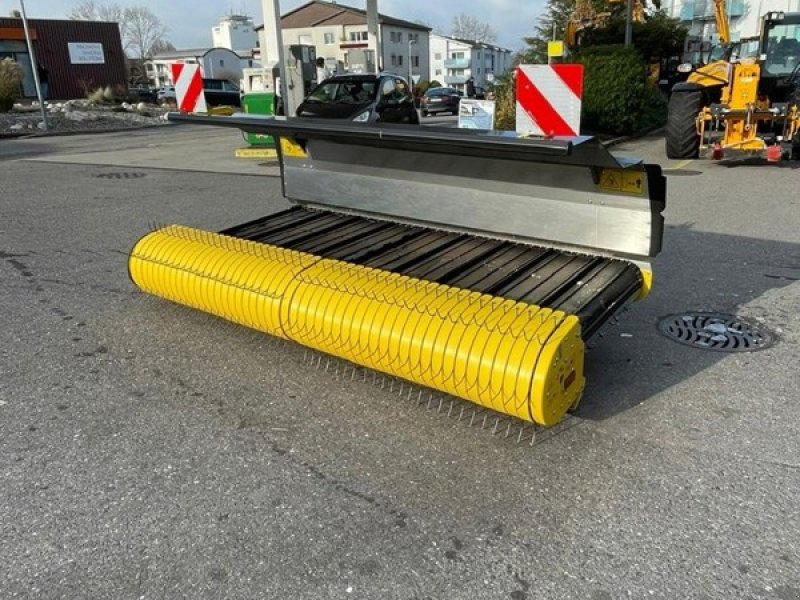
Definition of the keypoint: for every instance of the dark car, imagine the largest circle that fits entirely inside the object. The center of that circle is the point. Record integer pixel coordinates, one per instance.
(221, 92)
(361, 99)
(141, 94)
(440, 99)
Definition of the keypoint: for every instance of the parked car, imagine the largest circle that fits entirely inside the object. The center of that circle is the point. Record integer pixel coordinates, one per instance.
(440, 99)
(217, 92)
(137, 93)
(221, 92)
(361, 99)
(166, 95)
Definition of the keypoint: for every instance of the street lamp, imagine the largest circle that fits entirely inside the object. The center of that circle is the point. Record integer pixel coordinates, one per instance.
(411, 42)
(34, 63)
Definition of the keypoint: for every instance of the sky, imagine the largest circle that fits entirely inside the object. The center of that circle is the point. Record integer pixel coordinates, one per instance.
(189, 21)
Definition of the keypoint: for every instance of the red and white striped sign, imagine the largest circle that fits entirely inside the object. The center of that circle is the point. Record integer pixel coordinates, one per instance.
(188, 88)
(549, 99)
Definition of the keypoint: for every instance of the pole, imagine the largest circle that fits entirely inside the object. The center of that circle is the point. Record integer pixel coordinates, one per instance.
(410, 72)
(271, 10)
(34, 64)
(374, 40)
(629, 23)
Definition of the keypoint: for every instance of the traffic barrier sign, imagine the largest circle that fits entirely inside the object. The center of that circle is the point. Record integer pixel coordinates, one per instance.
(549, 99)
(188, 88)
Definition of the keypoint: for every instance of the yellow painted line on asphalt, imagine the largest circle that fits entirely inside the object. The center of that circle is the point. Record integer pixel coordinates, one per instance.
(680, 165)
(256, 153)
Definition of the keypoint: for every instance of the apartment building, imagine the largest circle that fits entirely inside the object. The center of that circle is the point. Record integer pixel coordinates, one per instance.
(744, 17)
(234, 32)
(339, 34)
(453, 61)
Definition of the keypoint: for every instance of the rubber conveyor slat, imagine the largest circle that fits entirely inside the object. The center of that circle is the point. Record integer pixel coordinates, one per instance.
(590, 287)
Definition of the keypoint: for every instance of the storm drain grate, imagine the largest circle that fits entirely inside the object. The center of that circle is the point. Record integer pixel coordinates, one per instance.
(715, 331)
(122, 175)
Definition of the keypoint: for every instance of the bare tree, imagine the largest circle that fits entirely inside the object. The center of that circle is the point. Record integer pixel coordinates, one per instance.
(141, 30)
(467, 27)
(91, 11)
(162, 46)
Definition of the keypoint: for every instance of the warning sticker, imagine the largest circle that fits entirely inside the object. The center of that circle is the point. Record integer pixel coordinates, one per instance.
(622, 180)
(290, 148)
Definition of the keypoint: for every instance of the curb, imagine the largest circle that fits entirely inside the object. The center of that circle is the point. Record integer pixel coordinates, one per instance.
(626, 138)
(81, 131)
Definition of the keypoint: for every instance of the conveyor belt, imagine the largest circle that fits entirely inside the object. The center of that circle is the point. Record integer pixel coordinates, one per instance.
(590, 287)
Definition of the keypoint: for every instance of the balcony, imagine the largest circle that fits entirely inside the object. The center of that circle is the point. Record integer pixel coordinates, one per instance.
(703, 10)
(456, 63)
(455, 79)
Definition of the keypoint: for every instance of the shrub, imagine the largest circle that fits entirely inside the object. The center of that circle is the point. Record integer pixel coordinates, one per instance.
(505, 104)
(107, 95)
(615, 92)
(96, 97)
(11, 75)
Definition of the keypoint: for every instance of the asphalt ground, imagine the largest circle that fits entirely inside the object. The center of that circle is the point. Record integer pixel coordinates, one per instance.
(151, 451)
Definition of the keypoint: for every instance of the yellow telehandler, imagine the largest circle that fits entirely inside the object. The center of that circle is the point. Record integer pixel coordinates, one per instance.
(742, 104)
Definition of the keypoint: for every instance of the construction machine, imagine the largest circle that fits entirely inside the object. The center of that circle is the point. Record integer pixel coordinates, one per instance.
(475, 263)
(585, 17)
(746, 102)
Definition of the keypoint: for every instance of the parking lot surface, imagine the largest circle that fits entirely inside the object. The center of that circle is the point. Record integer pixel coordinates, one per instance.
(150, 451)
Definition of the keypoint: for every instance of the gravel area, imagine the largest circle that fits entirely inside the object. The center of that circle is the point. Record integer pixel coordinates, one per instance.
(80, 115)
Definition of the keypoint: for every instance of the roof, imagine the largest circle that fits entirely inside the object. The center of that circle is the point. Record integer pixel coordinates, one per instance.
(190, 52)
(320, 13)
(474, 43)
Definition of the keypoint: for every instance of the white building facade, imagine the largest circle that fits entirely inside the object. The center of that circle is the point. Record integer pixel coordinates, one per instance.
(215, 63)
(744, 17)
(339, 35)
(453, 61)
(235, 32)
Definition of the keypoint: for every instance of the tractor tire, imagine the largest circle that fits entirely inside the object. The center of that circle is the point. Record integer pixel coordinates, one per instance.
(681, 136)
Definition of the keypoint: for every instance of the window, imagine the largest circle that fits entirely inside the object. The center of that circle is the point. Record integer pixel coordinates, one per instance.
(392, 36)
(358, 36)
(304, 39)
(329, 38)
(457, 55)
(387, 89)
(400, 37)
(394, 60)
(415, 60)
(400, 61)
(438, 71)
(437, 56)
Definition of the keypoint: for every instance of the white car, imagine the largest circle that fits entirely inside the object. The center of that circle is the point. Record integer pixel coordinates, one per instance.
(166, 94)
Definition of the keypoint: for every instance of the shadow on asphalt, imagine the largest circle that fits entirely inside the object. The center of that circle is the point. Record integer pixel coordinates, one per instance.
(698, 271)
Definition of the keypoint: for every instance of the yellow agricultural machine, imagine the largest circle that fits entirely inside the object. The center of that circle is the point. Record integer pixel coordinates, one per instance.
(742, 104)
(474, 263)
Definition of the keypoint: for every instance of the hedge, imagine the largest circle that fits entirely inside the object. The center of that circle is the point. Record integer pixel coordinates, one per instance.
(616, 96)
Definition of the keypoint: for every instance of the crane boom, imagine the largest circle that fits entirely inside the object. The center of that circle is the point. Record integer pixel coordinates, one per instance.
(721, 17)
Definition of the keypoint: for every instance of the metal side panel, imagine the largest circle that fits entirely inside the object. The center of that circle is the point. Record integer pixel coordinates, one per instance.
(565, 192)
(534, 202)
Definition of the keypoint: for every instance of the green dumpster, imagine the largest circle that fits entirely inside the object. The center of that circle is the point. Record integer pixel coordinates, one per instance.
(258, 103)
